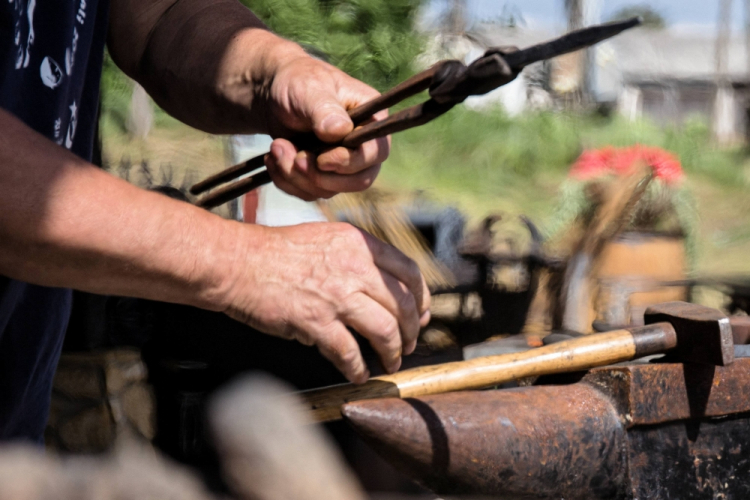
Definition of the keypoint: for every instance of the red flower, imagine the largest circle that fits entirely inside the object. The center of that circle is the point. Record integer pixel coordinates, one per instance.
(593, 163)
(622, 161)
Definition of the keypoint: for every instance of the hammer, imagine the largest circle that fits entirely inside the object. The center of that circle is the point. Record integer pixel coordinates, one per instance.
(685, 332)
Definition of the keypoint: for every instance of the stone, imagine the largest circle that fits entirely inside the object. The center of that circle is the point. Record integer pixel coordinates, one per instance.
(91, 430)
(139, 406)
(79, 381)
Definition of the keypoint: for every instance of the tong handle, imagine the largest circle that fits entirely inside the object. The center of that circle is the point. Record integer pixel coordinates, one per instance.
(405, 119)
(482, 76)
(309, 141)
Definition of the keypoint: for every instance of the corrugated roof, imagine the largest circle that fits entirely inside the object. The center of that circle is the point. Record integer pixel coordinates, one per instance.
(651, 54)
(641, 54)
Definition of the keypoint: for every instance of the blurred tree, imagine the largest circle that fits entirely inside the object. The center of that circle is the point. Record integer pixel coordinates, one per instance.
(373, 40)
(651, 18)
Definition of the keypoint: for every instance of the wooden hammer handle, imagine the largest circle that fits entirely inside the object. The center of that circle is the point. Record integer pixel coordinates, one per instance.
(576, 354)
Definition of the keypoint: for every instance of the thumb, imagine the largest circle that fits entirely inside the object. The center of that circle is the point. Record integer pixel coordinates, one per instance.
(330, 121)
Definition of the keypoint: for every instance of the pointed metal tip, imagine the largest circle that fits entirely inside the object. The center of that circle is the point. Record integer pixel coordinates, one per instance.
(354, 411)
(633, 22)
(376, 417)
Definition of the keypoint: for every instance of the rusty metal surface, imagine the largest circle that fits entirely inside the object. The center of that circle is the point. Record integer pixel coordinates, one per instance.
(686, 460)
(636, 431)
(740, 329)
(655, 393)
(547, 442)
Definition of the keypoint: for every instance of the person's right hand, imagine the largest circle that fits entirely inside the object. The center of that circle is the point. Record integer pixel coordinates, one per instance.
(309, 282)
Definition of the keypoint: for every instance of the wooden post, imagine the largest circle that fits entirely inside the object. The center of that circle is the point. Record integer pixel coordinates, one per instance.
(580, 14)
(455, 20)
(724, 114)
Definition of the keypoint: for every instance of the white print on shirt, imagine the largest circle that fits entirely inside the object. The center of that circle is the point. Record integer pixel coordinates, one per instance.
(70, 53)
(72, 125)
(50, 72)
(81, 15)
(23, 53)
(58, 127)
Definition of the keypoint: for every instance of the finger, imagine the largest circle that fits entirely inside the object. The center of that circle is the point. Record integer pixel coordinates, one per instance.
(350, 161)
(291, 168)
(398, 300)
(404, 269)
(306, 176)
(378, 326)
(280, 181)
(337, 183)
(329, 118)
(340, 348)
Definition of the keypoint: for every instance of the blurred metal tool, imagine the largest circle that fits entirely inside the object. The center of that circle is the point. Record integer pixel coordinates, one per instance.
(449, 83)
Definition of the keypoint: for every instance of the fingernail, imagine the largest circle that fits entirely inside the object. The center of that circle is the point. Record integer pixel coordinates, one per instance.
(425, 318)
(395, 366)
(410, 347)
(278, 152)
(303, 161)
(333, 122)
(363, 378)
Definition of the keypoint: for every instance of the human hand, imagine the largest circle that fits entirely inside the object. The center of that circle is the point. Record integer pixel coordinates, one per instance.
(312, 281)
(311, 95)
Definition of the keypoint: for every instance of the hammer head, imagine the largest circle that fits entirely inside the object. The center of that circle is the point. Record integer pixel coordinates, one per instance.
(704, 335)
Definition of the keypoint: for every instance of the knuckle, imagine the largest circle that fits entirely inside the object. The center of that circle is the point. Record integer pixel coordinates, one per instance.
(349, 357)
(388, 333)
(353, 237)
(341, 291)
(338, 157)
(407, 304)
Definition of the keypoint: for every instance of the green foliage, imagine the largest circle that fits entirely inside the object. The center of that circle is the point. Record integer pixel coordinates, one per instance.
(116, 89)
(372, 40)
(487, 161)
(651, 18)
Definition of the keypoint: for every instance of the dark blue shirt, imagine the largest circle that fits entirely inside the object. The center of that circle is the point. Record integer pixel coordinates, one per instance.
(50, 65)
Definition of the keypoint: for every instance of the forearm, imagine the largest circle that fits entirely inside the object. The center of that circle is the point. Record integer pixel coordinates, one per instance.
(64, 222)
(207, 62)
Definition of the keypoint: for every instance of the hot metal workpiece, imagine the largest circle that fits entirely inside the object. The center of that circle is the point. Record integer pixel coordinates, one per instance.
(639, 431)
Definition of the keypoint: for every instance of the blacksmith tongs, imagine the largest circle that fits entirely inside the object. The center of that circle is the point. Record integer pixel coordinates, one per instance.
(449, 82)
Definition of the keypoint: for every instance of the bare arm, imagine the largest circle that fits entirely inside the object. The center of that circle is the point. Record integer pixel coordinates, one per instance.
(213, 65)
(205, 61)
(64, 222)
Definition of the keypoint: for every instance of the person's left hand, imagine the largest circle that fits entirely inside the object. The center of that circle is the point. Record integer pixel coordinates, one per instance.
(311, 95)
